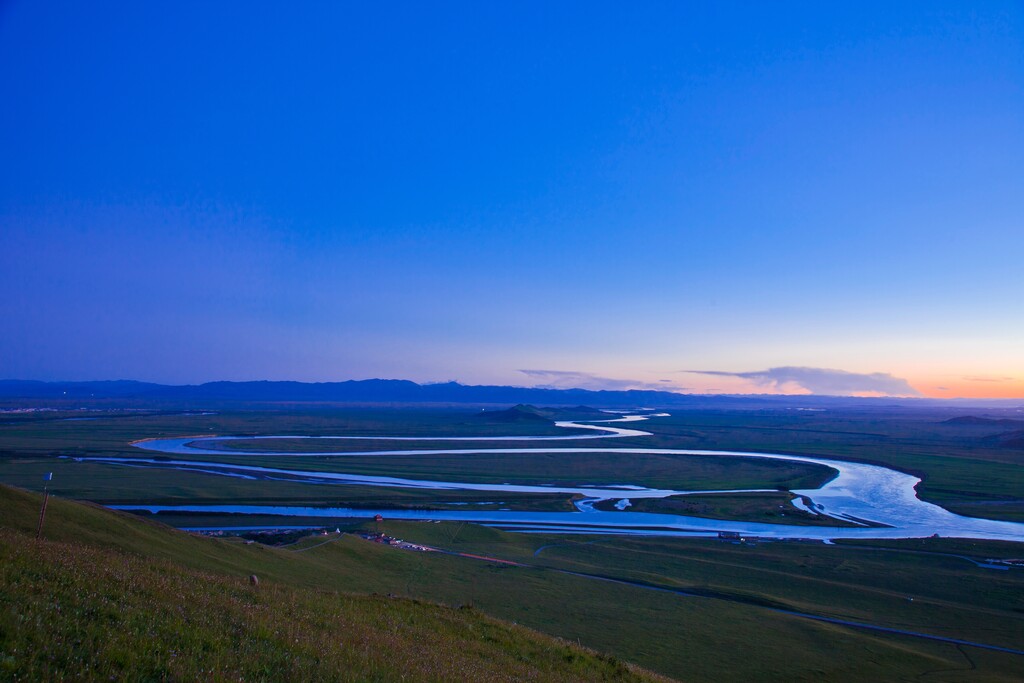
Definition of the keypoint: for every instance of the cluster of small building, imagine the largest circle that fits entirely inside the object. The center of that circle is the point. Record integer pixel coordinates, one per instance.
(394, 542)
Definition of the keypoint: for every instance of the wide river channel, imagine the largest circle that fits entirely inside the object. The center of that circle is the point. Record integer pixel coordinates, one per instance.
(882, 501)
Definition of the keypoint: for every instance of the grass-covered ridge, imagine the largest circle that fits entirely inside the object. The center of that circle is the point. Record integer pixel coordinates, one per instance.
(122, 602)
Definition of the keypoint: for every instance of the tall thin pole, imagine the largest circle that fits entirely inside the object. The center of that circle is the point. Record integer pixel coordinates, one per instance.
(42, 509)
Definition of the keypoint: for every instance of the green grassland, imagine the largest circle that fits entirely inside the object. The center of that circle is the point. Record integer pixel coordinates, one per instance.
(112, 428)
(565, 469)
(29, 448)
(727, 630)
(118, 603)
(135, 599)
(111, 484)
(961, 467)
(930, 592)
(769, 507)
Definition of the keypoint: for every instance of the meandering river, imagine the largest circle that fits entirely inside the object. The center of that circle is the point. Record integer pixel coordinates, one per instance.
(859, 492)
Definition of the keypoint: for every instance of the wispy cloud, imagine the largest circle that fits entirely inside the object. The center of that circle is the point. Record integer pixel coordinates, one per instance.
(572, 379)
(989, 379)
(823, 381)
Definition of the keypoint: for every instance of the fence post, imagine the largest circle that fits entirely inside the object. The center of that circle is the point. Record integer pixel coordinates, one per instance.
(42, 509)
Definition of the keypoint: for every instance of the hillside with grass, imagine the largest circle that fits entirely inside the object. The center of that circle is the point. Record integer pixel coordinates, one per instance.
(107, 596)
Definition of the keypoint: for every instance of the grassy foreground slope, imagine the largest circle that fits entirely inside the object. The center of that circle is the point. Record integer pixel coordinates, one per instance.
(110, 597)
(690, 638)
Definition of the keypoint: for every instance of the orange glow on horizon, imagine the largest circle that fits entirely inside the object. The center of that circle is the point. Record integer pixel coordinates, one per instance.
(946, 385)
(966, 387)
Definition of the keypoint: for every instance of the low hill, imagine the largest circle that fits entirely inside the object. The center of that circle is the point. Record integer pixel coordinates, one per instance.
(975, 420)
(519, 413)
(585, 410)
(108, 596)
(1014, 439)
(529, 413)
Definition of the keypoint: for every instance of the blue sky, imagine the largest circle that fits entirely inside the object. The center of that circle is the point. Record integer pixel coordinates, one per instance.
(611, 194)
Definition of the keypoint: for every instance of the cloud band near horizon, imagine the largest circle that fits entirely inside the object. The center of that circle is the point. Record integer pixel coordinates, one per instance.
(825, 381)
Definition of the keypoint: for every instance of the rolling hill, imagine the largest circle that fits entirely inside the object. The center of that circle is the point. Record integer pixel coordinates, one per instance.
(108, 596)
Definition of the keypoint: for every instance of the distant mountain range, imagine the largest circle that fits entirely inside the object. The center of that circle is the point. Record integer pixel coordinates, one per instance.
(393, 391)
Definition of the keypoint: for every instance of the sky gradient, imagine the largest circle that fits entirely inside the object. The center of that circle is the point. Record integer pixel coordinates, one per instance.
(779, 196)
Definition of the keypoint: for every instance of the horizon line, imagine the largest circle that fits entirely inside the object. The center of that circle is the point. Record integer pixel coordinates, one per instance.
(533, 387)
